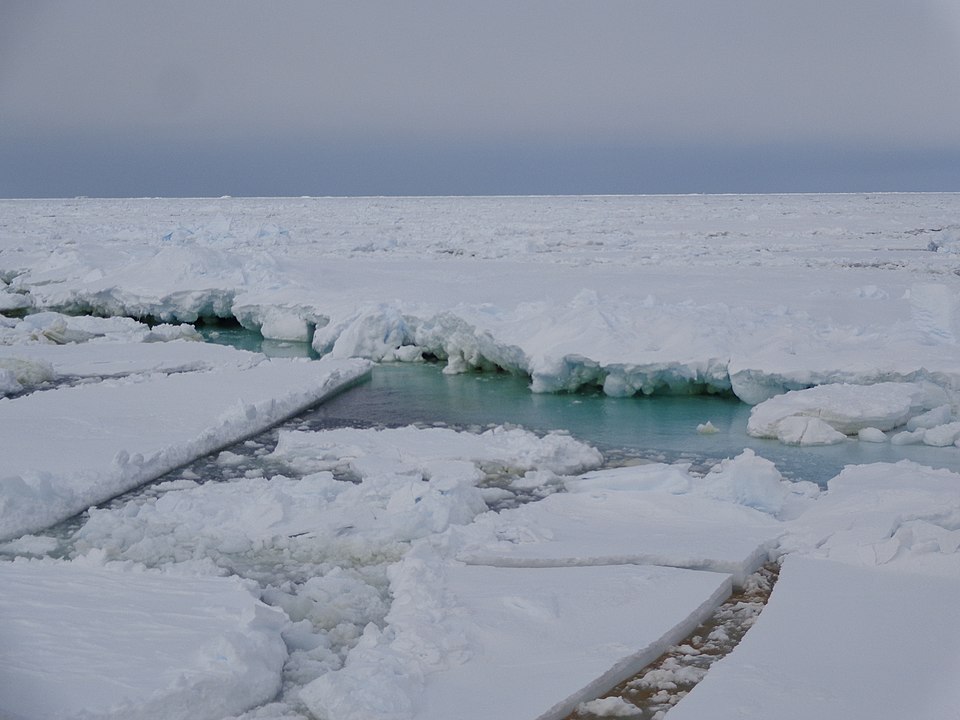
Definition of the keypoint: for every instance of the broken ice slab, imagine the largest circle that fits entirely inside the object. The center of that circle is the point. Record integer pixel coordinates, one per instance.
(527, 643)
(70, 448)
(83, 641)
(836, 642)
(616, 527)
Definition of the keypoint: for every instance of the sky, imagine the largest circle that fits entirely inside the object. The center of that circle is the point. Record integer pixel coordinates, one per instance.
(232, 97)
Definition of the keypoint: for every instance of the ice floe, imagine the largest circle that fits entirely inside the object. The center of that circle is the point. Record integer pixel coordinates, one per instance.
(82, 641)
(837, 641)
(631, 294)
(825, 414)
(542, 640)
(104, 438)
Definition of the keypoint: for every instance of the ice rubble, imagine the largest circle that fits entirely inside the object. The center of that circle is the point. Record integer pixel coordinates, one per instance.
(316, 544)
(81, 641)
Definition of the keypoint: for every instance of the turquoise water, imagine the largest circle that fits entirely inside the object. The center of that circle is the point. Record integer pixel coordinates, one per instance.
(662, 428)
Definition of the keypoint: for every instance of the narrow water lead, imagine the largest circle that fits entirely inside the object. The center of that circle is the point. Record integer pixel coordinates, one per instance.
(661, 428)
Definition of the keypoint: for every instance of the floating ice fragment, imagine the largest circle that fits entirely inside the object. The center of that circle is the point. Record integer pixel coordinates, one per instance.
(707, 428)
(942, 435)
(872, 434)
(908, 438)
(940, 415)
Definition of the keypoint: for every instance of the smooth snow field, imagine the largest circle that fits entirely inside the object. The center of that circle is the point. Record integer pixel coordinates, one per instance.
(420, 458)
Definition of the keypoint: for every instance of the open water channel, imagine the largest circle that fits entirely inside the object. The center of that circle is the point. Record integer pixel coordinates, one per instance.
(660, 428)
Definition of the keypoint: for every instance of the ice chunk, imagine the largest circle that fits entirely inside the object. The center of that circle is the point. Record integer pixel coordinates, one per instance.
(938, 416)
(942, 435)
(847, 408)
(906, 437)
(82, 641)
(748, 480)
(872, 434)
(862, 644)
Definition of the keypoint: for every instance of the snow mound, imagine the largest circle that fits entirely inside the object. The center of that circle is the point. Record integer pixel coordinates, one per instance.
(845, 408)
(90, 642)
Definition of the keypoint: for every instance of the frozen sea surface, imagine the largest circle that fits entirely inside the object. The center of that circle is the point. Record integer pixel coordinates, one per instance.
(836, 317)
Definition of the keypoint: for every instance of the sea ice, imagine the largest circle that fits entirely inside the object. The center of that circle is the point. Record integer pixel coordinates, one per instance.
(81, 641)
(477, 642)
(104, 438)
(895, 516)
(844, 407)
(651, 524)
(840, 642)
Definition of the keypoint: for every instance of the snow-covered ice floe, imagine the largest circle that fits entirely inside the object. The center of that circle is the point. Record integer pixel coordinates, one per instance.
(475, 642)
(101, 439)
(85, 642)
(644, 515)
(827, 414)
(840, 642)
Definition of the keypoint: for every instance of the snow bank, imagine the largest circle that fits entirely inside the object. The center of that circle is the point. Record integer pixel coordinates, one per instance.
(105, 642)
(837, 641)
(104, 438)
(807, 416)
(478, 642)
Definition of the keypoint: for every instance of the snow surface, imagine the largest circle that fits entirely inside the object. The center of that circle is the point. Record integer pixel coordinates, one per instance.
(81, 641)
(359, 536)
(840, 643)
(101, 439)
(754, 294)
(610, 524)
(542, 640)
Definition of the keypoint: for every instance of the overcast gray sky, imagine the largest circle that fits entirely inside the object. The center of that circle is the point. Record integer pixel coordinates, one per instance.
(123, 98)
